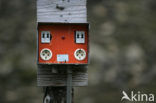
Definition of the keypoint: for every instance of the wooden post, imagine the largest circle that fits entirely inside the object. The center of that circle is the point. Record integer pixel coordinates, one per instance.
(59, 79)
(69, 85)
(62, 11)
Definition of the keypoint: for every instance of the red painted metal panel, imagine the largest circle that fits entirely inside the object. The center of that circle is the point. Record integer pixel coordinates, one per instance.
(63, 42)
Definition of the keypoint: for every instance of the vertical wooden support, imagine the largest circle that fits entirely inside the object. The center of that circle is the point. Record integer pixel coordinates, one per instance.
(58, 80)
(69, 85)
(61, 11)
(54, 95)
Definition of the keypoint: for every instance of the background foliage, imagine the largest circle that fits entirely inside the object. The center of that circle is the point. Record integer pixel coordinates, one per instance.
(123, 51)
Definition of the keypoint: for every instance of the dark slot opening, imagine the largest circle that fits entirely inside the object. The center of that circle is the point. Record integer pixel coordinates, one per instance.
(78, 35)
(43, 35)
(82, 36)
(48, 36)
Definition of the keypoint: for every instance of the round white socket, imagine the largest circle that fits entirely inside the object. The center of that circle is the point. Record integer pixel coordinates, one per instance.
(46, 54)
(80, 54)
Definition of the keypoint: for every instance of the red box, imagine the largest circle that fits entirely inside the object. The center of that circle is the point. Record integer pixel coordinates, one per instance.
(60, 43)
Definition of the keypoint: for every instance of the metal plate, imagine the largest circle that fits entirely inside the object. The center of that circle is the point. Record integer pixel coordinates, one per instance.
(68, 45)
(62, 57)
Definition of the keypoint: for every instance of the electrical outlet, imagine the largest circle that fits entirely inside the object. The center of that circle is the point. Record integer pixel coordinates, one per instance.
(46, 54)
(80, 54)
(80, 37)
(45, 37)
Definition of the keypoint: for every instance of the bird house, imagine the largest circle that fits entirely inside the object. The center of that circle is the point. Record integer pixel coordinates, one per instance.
(63, 43)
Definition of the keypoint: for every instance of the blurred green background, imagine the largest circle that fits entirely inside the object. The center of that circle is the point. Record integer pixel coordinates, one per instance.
(123, 51)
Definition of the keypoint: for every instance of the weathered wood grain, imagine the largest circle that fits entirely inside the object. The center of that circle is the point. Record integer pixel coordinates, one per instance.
(46, 76)
(62, 11)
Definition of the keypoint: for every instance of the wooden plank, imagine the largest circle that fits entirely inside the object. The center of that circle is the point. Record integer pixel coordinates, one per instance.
(62, 11)
(46, 76)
